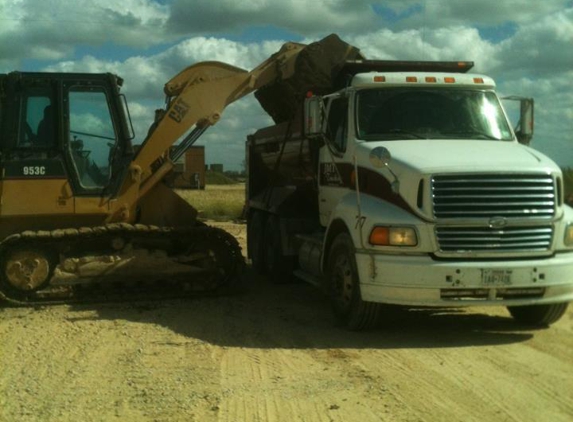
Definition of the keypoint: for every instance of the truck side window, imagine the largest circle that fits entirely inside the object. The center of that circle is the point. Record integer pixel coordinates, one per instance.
(337, 128)
(38, 123)
(92, 138)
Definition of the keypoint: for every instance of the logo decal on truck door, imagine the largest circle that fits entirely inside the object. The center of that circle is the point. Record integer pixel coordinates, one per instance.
(329, 175)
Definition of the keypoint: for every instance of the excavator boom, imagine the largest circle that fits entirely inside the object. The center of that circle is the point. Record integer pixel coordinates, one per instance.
(199, 94)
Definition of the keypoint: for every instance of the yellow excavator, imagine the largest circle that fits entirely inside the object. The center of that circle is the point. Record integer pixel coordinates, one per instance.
(81, 206)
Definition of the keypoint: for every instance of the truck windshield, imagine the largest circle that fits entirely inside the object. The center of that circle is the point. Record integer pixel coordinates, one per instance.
(405, 113)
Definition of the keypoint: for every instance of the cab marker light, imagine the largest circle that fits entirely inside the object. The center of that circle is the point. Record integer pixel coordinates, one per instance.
(379, 78)
(478, 80)
(449, 80)
(431, 79)
(411, 79)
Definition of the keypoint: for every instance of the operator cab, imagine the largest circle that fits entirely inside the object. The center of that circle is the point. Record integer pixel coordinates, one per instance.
(71, 126)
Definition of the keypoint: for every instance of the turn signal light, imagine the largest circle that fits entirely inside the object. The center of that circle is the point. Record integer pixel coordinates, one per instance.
(569, 235)
(393, 236)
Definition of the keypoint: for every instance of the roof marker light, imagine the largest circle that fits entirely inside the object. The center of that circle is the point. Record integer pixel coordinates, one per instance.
(430, 79)
(449, 80)
(411, 79)
(379, 78)
(478, 80)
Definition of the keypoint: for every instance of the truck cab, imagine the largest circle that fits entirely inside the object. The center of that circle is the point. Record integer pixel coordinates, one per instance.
(422, 195)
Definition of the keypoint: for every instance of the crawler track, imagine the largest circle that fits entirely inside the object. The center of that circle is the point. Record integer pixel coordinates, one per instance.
(118, 262)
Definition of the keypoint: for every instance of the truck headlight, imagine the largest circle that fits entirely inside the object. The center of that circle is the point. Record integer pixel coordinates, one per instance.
(569, 235)
(393, 236)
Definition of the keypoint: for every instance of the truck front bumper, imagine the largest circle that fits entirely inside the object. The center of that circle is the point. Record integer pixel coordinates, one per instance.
(423, 281)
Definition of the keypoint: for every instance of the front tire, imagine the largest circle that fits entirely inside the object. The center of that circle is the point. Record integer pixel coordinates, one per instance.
(349, 309)
(538, 315)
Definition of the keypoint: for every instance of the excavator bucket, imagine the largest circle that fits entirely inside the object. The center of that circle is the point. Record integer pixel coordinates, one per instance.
(317, 69)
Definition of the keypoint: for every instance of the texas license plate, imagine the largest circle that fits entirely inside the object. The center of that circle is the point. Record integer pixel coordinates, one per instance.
(496, 277)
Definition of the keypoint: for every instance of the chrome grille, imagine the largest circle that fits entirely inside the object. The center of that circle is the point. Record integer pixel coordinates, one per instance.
(486, 196)
(494, 240)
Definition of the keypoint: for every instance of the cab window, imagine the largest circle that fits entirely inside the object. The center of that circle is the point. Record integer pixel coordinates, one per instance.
(92, 137)
(38, 122)
(337, 126)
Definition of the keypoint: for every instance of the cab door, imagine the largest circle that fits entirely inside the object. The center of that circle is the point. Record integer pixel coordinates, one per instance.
(91, 137)
(92, 141)
(334, 169)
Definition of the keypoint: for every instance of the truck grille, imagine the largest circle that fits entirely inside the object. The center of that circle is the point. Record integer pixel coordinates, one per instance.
(494, 240)
(486, 196)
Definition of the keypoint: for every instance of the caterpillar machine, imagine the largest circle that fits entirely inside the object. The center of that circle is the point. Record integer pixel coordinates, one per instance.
(82, 208)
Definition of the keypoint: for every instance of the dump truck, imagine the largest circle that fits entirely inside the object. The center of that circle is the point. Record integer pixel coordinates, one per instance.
(403, 182)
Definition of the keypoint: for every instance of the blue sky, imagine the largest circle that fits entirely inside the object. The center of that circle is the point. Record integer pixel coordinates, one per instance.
(526, 46)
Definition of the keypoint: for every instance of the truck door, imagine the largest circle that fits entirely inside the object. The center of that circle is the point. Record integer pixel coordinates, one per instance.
(334, 170)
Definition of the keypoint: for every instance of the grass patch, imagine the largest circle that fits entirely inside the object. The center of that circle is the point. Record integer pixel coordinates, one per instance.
(216, 178)
(217, 202)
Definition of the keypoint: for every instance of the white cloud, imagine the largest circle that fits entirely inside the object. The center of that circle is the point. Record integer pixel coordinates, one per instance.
(455, 43)
(439, 13)
(542, 46)
(49, 30)
(306, 17)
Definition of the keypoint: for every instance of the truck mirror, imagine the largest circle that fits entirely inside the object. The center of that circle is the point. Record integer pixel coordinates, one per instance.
(313, 117)
(524, 129)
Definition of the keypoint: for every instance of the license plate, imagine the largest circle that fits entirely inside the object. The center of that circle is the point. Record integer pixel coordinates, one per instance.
(496, 277)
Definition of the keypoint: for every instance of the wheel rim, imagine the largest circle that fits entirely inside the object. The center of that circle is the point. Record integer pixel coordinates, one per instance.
(27, 270)
(343, 282)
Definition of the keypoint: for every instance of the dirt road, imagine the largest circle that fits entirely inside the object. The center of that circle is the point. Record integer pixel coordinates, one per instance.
(272, 354)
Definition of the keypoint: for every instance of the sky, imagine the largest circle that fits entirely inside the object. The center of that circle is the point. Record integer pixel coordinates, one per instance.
(526, 46)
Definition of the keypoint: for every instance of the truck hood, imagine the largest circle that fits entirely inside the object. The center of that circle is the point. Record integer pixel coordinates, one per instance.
(415, 160)
(429, 156)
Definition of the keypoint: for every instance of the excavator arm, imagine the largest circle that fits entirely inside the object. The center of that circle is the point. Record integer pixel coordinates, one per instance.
(196, 99)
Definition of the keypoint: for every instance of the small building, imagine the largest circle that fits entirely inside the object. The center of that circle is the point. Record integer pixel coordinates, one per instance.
(189, 171)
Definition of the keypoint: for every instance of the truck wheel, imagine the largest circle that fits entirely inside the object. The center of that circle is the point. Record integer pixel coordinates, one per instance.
(255, 241)
(538, 315)
(279, 266)
(349, 309)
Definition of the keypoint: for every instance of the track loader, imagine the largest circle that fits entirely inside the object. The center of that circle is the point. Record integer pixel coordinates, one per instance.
(82, 207)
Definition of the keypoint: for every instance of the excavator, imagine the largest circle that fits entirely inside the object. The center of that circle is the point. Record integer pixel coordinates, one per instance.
(82, 208)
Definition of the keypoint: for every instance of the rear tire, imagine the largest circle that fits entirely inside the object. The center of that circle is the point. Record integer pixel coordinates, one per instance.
(538, 315)
(255, 241)
(349, 309)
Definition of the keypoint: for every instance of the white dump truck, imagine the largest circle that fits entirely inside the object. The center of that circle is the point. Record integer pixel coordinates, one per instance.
(404, 183)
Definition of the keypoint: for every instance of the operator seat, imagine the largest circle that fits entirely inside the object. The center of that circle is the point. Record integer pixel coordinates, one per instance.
(46, 134)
